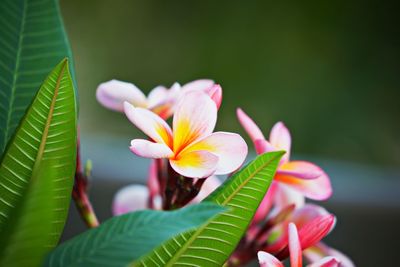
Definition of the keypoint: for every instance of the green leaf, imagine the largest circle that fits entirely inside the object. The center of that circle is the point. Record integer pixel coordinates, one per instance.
(212, 243)
(36, 173)
(122, 239)
(32, 42)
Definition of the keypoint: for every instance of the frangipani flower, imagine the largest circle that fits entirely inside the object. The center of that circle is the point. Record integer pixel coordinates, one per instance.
(314, 223)
(114, 93)
(192, 148)
(302, 177)
(207, 86)
(161, 100)
(132, 198)
(295, 246)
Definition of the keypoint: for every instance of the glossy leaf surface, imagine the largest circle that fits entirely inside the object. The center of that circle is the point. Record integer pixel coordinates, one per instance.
(32, 42)
(122, 239)
(36, 173)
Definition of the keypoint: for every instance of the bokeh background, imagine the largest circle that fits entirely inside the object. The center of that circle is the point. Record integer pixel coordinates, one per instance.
(329, 70)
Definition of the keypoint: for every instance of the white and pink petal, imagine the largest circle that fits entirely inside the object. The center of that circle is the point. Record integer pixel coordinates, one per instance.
(215, 92)
(152, 179)
(114, 93)
(162, 101)
(320, 250)
(208, 187)
(149, 123)
(157, 95)
(317, 188)
(326, 262)
(280, 138)
(267, 260)
(148, 149)
(285, 196)
(249, 126)
(294, 246)
(130, 198)
(197, 85)
(300, 169)
(307, 213)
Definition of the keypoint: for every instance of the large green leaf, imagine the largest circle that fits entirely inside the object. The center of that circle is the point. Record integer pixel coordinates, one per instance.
(36, 173)
(122, 239)
(32, 42)
(212, 243)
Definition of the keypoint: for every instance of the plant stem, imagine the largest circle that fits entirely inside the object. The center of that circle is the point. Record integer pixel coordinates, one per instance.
(80, 192)
(171, 187)
(86, 211)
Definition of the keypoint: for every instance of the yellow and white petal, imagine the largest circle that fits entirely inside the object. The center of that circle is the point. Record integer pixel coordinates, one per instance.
(195, 117)
(196, 164)
(150, 123)
(147, 149)
(280, 138)
(114, 93)
(230, 148)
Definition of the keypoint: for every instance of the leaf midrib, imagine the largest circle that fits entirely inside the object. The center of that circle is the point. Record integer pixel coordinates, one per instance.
(196, 233)
(42, 145)
(107, 244)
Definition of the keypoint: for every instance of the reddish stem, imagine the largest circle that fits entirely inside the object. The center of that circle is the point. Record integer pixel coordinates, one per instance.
(79, 193)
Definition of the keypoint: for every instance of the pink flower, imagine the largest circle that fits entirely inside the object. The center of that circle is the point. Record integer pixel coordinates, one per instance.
(161, 100)
(294, 179)
(313, 222)
(132, 198)
(319, 251)
(114, 93)
(192, 148)
(296, 241)
(207, 86)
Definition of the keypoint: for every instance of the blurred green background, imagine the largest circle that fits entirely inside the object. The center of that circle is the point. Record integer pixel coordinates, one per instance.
(329, 70)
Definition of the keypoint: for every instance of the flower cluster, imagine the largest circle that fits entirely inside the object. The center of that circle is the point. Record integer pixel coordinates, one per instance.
(187, 156)
(283, 210)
